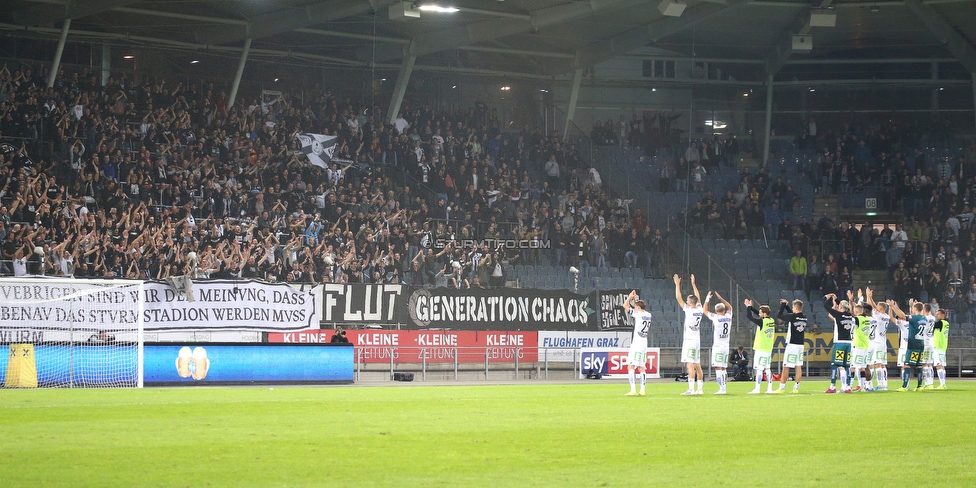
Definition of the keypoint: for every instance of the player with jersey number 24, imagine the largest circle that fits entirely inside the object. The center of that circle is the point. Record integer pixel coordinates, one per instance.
(637, 357)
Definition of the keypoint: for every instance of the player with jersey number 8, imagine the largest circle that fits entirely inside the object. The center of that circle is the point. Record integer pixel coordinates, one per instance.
(722, 325)
(691, 343)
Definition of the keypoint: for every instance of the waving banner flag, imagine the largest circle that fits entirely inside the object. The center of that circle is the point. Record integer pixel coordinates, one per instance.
(318, 148)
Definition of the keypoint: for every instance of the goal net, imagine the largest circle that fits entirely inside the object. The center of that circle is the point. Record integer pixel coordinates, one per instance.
(71, 333)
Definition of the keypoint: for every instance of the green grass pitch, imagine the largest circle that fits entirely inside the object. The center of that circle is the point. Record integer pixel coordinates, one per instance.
(530, 434)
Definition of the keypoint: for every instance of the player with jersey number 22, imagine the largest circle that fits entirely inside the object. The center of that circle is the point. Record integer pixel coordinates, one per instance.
(637, 357)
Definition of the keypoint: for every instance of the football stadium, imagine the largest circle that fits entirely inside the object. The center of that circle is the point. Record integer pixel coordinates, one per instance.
(487, 243)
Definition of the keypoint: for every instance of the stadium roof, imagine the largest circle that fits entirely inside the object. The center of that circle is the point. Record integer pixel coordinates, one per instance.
(537, 38)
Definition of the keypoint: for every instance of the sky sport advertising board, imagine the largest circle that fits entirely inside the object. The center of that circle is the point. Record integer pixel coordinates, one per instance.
(612, 362)
(413, 346)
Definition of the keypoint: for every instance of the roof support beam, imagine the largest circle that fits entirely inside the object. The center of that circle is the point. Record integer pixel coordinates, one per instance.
(488, 30)
(57, 54)
(573, 97)
(954, 41)
(74, 9)
(181, 16)
(628, 41)
(974, 94)
(287, 20)
(239, 73)
(519, 52)
(400, 88)
(159, 43)
(769, 119)
(784, 49)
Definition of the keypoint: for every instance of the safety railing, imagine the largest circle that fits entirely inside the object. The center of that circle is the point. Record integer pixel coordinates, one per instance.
(381, 363)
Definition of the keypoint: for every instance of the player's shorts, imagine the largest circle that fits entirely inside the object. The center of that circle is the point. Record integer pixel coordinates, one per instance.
(841, 354)
(913, 357)
(901, 356)
(938, 358)
(793, 356)
(691, 352)
(927, 354)
(859, 357)
(637, 357)
(878, 355)
(720, 357)
(762, 360)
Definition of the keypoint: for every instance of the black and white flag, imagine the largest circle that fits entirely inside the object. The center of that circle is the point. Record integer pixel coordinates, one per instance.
(318, 148)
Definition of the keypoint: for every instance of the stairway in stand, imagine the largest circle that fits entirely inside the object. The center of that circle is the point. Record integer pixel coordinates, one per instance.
(826, 205)
(877, 280)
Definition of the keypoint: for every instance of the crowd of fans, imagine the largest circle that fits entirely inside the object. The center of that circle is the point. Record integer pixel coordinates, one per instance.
(159, 179)
(930, 254)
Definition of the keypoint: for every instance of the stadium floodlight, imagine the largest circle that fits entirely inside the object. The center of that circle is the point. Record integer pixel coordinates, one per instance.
(69, 333)
(404, 10)
(439, 9)
(821, 17)
(672, 8)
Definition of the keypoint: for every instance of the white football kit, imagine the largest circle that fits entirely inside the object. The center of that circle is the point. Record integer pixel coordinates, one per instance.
(878, 351)
(722, 332)
(691, 344)
(929, 334)
(637, 356)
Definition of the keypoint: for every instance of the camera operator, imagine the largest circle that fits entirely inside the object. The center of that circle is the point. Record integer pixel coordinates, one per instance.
(339, 337)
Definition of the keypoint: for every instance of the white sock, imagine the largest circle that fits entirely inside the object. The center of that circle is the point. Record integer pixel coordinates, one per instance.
(643, 378)
(769, 380)
(843, 378)
(700, 383)
(796, 385)
(930, 379)
(633, 379)
(883, 376)
(942, 377)
(720, 378)
(691, 384)
(758, 379)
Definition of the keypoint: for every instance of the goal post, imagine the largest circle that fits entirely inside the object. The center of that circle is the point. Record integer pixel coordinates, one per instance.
(71, 333)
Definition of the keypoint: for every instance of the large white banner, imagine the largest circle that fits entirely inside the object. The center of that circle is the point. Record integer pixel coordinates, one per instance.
(231, 305)
(29, 306)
